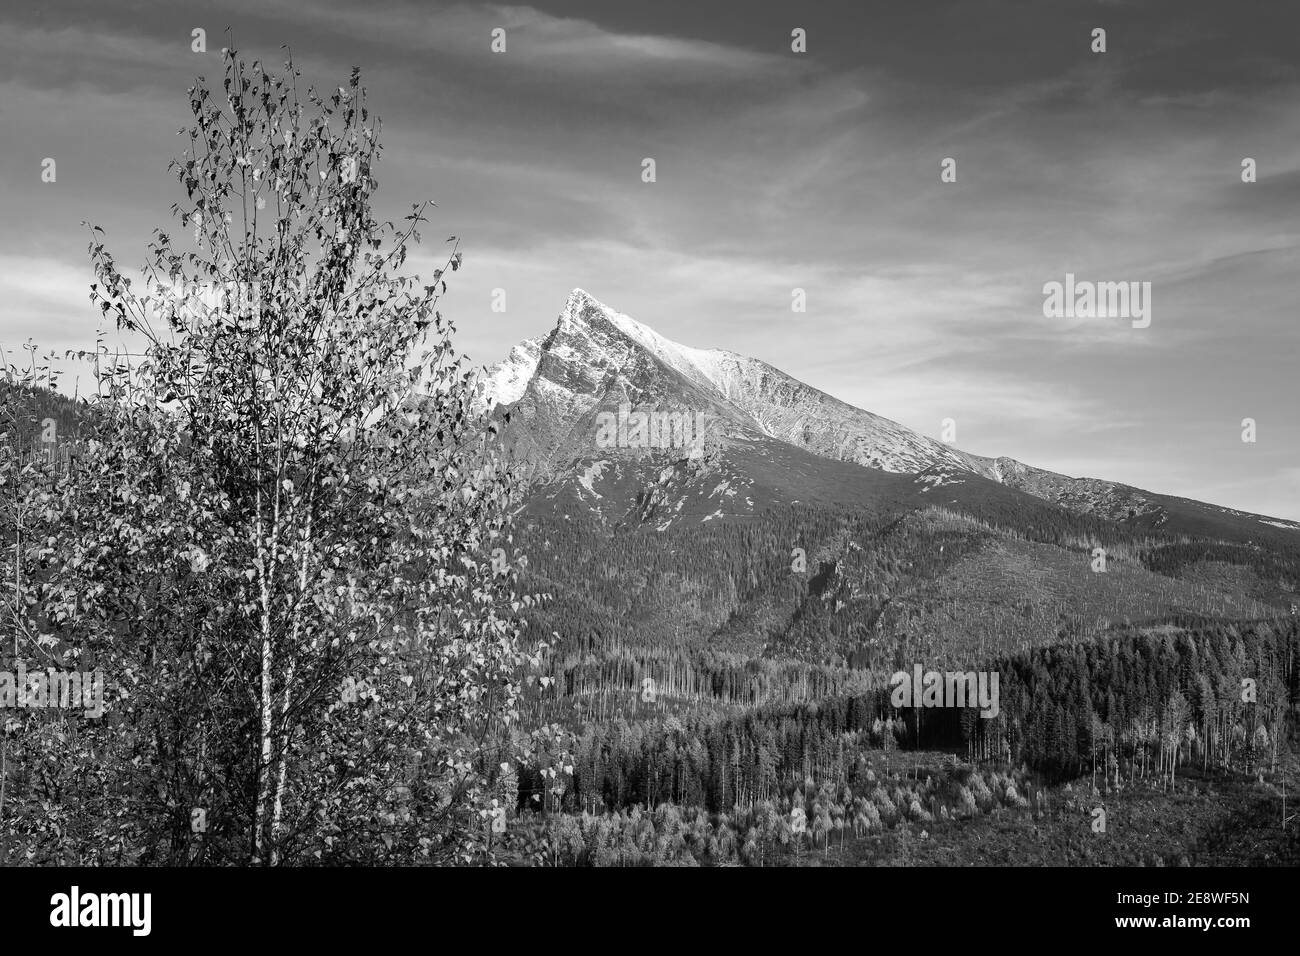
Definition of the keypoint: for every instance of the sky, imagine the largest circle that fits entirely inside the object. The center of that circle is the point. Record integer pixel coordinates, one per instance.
(775, 170)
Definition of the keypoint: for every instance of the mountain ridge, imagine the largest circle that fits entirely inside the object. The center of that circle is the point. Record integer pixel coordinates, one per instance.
(597, 360)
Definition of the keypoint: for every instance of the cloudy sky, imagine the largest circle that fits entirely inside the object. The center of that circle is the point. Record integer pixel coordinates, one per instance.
(775, 170)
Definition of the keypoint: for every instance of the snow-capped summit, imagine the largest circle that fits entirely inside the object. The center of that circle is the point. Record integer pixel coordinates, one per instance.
(702, 366)
(597, 358)
(575, 396)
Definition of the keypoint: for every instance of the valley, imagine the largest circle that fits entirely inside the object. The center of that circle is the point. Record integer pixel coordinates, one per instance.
(723, 627)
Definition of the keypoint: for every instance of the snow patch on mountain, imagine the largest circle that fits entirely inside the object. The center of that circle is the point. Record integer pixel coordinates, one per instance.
(505, 382)
(593, 474)
(938, 478)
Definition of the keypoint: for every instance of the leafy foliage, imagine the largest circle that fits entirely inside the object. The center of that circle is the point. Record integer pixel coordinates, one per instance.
(286, 540)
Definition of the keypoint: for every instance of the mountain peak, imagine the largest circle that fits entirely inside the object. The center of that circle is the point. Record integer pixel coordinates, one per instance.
(698, 365)
(596, 361)
(579, 301)
(581, 310)
(584, 309)
(596, 356)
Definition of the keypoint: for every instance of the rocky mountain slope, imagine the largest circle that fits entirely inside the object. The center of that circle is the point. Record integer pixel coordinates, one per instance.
(756, 436)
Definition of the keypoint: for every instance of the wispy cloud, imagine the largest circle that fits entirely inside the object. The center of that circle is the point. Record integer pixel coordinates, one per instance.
(776, 170)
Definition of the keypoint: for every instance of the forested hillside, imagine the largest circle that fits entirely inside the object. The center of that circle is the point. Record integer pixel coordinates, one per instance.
(704, 682)
(26, 408)
(726, 674)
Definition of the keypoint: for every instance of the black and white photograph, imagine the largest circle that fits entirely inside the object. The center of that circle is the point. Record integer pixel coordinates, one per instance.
(588, 434)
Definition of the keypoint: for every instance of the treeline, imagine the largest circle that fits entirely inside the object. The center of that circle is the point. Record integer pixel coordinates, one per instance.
(27, 407)
(1215, 693)
(602, 684)
(1134, 706)
(768, 832)
(1274, 564)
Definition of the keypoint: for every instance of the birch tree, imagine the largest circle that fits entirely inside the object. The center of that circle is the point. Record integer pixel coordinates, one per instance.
(288, 543)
